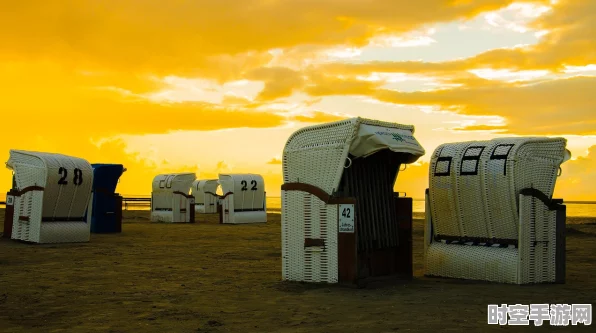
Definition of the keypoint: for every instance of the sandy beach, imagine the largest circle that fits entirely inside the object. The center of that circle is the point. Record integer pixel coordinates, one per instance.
(207, 277)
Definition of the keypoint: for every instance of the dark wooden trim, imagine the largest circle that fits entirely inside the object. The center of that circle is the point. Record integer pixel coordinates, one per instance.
(551, 204)
(249, 210)
(561, 243)
(309, 242)
(9, 215)
(188, 196)
(405, 261)
(317, 192)
(225, 195)
(118, 206)
(63, 219)
(191, 217)
(29, 189)
(476, 240)
(220, 213)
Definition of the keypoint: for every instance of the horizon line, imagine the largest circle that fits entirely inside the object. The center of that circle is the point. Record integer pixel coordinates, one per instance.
(415, 199)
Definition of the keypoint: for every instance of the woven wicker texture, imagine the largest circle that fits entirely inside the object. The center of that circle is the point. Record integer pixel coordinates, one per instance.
(317, 155)
(243, 198)
(203, 191)
(168, 206)
(317, 220)
(474, 193)
(56, 213)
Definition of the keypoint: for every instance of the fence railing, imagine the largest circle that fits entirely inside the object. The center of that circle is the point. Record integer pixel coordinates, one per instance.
(136, 202)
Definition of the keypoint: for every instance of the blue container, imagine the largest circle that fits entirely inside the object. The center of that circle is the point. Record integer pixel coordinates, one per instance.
(106, 213)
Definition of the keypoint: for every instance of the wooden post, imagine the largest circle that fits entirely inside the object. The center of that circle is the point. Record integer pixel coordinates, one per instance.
(9, 213)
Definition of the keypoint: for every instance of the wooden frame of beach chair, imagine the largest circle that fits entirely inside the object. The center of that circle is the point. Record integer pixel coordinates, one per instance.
(51, 197)
(206, 199)
(170, 201)
(244, 199)
(489, 212)
(342, 222)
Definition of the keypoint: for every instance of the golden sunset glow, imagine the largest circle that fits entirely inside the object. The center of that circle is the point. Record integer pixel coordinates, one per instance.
(218, 86)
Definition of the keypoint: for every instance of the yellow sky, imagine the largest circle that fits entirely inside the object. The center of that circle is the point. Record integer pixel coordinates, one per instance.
(218, 86)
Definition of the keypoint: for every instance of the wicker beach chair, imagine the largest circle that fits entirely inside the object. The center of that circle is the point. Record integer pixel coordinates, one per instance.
(489, 212)
(105, 205)
(52, 195)
(243, 199)
(170, 201)
(206, 199)
(341, 219)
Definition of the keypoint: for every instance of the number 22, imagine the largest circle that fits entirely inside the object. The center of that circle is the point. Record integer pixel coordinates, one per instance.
(245, 184)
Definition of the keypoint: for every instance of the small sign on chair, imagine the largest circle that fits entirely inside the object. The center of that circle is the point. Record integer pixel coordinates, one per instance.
(9, 200)
(346, 218)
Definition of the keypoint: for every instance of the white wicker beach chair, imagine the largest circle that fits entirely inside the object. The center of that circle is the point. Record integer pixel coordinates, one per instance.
(206, 199)
(341, 219)
(243, 199)
(489, 212)
(53, 195)
(170, 201)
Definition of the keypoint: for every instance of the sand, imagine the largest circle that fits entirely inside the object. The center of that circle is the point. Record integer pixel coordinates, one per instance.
(207, 277)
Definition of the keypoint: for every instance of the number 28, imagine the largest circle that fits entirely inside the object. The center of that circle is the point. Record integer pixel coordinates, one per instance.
(77, 180)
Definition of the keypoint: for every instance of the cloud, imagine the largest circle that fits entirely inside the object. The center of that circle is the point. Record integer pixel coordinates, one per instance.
(274, 161)
(554, 107)
(62, 103)
(204, 38)
(317, 117)
(324, 85)
(279, 81)
(569, 42)
(136, 180)
(578, 178)
(222, 166)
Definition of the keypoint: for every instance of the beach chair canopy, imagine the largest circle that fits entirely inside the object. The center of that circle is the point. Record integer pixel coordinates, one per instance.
(173, 182)
(318, 155)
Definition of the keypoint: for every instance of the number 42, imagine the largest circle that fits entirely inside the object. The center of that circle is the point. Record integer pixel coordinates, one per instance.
(346, 213)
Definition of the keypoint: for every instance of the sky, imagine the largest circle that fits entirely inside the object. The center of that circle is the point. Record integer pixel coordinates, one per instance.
(218, 86)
